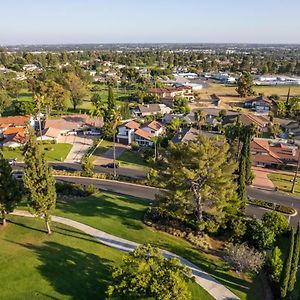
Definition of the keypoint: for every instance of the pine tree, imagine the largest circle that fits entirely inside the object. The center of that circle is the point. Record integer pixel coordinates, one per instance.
(245, 85)
(10, 192)
(39, 181)
(285, 275)
(295, 261)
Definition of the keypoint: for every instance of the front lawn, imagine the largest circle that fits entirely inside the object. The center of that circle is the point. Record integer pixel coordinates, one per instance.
(132, 159)
(121, 216)
(284, 183)
(66, 265)
(102, 148)
(53, 152)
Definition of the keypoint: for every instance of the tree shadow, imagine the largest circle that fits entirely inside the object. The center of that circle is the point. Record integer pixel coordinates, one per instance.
(106, 207)
(72, 271)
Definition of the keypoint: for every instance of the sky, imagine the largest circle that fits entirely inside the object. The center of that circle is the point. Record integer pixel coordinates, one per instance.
(149, 21)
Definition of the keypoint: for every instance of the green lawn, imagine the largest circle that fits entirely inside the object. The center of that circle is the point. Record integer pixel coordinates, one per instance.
(121, 216)
(102, 148)
(66, 265)
(284, 183)
(53, 152)
(132, 159)
(121, 95)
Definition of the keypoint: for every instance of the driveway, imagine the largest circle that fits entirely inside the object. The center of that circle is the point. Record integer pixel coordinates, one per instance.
(81, 145)
(261, 180)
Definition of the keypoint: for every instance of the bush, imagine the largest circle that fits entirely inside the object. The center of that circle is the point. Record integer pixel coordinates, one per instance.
(237, 229)
(274, 265)
(276, 222)
(135, 146)
(244, 258)
(272, 206)
(258, 235)
(75, 189)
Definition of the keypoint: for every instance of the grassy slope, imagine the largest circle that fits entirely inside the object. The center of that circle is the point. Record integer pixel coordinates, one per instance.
(122, 216)
(55, 152)
(66, 265)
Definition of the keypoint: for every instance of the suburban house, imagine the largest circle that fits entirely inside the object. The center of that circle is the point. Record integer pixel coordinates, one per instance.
(261, 122)
(260, 104)
(273, 155)
(74, 123)
(13, 130)
(185, 135)
(14, 137)
(291, 128)
(48, 134)
(144, 110)
(172, 92)
(126, 132)
(142, 134)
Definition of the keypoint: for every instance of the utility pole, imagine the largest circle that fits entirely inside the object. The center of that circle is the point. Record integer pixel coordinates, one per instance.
(296, 174)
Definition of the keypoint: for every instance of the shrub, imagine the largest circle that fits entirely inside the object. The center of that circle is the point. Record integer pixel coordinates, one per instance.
(276, 222)
(258, 235)
(135, 146)
(237, 229)
(274, 265)
(244, 258)
(75, 189)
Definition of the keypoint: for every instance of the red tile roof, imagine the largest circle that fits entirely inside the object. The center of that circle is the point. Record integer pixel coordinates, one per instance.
(154, 125)
(132, 125)
(144, 134)
(16, 120)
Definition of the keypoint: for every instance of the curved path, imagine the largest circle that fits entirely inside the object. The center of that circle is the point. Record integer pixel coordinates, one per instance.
(207, 282)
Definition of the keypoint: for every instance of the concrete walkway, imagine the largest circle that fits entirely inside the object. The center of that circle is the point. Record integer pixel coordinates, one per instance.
(261, 180)
(207, 282)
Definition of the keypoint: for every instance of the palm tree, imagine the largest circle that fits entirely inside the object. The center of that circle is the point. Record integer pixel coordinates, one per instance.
(199, 118)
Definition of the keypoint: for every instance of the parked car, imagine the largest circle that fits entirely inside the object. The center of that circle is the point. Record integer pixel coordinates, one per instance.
(111, 165)
(12, 162)
(90, 132)
(18, 175)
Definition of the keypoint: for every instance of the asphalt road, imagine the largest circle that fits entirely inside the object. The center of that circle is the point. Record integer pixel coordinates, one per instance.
(131, 172)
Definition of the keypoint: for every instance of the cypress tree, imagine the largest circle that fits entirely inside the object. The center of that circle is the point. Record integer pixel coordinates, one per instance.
(242, 180)
(10, 192)
(247, 155)
(295, 261)
(285, 275)
(111, 103)
(38, 181)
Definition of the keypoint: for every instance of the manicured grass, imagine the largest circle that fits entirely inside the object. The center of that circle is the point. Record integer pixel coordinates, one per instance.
(121, 216)
(53, 152)
(102, 148)
(284, 183)
(132, 159)
(65, 265)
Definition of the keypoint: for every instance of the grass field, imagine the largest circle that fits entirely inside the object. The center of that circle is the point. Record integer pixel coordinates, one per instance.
(122, 217)
(284, 182)
(66, 265)
(120, 96)
(53, 152)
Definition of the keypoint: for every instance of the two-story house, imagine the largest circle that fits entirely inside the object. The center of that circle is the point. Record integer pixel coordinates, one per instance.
(126, 132)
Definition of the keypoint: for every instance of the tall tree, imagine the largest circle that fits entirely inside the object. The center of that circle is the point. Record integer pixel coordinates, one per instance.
(295, 261)
(245, 85)
(111, 102)
(198, 178)
(274, 265)
(285, 275)
(39, 181)
(146, 273)
(10, 192)
(5, 101)
(77, 89)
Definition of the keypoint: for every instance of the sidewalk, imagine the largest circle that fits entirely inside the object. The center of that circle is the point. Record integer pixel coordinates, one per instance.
(261, 180)
(210, 284)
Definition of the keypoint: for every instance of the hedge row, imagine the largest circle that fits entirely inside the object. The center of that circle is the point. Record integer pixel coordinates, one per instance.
(277, 207)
